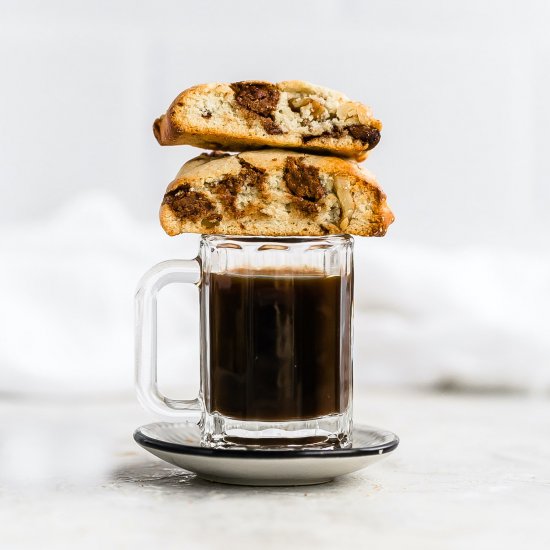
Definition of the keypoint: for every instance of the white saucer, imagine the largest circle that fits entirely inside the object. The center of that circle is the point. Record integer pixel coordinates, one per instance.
(179, 444)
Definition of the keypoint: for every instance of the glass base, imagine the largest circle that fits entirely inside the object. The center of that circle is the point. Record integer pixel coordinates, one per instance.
(326, 432)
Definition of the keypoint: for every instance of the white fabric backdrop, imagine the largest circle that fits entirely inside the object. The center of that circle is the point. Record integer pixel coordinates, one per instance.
(423, 316)
(456, 295)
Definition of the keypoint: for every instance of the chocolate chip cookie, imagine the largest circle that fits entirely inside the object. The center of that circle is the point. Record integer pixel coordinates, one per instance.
(253, 114)
(274, 192)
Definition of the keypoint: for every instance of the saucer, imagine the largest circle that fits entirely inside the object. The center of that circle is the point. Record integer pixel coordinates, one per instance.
(179, 444)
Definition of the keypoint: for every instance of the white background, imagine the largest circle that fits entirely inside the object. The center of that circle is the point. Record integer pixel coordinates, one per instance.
(457, 294)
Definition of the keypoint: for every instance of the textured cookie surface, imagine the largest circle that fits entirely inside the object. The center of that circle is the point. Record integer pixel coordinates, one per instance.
(253, 114)
(274, 192)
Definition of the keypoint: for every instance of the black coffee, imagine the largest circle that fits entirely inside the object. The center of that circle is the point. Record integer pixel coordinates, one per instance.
(276, 346)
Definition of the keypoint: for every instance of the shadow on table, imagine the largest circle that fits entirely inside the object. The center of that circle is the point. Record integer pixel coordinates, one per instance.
(159, 477)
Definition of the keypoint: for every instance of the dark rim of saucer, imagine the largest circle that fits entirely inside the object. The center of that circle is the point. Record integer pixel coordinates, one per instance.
(179, 448)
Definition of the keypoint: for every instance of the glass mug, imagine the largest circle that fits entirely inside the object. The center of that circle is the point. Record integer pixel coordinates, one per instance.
(275, 341)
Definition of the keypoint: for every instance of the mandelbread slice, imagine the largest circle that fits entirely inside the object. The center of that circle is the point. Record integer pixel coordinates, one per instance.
(253, 114)
(276, 193)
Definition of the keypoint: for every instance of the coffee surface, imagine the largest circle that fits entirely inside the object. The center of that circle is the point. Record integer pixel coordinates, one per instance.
(276, 352)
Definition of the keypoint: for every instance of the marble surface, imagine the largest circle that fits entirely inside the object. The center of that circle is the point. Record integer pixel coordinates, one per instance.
(471, 472)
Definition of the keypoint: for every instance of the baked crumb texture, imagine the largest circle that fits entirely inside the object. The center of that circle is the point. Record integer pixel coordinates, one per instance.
(253, 115)
(276, 193)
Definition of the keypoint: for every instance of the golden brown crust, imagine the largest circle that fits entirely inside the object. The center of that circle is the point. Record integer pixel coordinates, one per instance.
(308, 118)
(252, 194)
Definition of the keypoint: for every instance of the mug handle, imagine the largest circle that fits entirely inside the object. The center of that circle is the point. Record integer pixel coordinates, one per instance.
(162, 274)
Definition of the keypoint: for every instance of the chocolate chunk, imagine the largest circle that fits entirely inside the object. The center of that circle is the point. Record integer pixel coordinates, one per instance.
(362, 132)
(335, 132)
(307, 206)
(228, 188)
(212, 155)
(270, 126)
(188, 204)
(365, 134)
(302, 180)
(308, 137)
(260, 98)
(252, 175)
(211, 221)
(248, 176)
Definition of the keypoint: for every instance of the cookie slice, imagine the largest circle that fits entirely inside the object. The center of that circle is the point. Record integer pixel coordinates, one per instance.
(274, 192)
(254, 114)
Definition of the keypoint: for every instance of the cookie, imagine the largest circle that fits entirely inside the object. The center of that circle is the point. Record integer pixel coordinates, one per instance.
(252, 115)
(274, 192)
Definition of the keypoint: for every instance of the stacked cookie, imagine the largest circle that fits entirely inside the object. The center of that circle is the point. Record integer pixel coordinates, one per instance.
(296, 173)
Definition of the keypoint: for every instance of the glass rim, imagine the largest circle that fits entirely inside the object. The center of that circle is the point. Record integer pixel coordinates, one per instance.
(332, 239)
